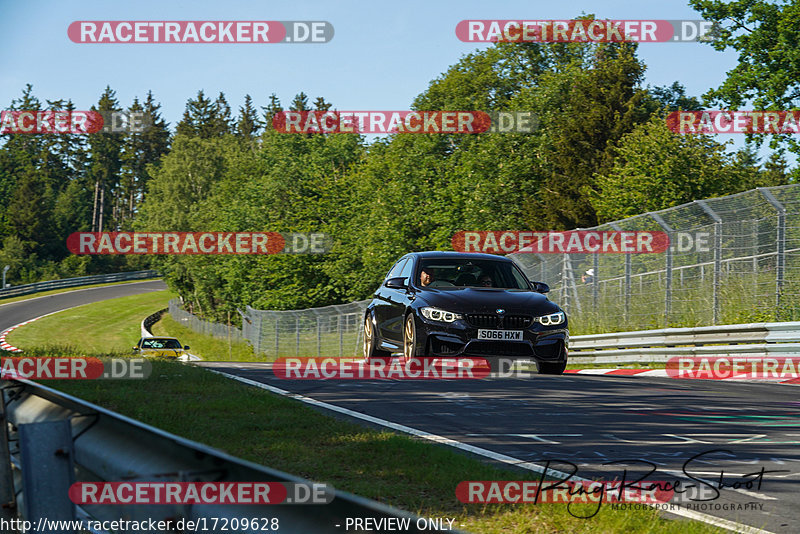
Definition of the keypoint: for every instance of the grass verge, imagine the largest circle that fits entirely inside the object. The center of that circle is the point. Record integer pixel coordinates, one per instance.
(207, 347)
(108, 326)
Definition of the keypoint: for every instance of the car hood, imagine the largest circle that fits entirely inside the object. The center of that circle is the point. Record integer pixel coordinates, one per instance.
(162, 353)
(487, 300)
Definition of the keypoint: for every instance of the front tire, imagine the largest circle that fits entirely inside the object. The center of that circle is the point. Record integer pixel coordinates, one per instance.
(371, 352)
(409, 338)
(552, 368)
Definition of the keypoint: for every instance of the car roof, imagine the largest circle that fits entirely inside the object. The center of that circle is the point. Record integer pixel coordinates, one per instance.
(444, 254)
(159, 337)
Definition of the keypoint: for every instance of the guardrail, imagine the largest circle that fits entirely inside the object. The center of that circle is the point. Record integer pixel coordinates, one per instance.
(751, 339)
(149, 321)
(74, 438)
(75, 282)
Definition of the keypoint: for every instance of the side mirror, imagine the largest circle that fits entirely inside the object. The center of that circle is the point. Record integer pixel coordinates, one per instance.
(541, 287)
(396, 283)
(136, 349)
(186, 347)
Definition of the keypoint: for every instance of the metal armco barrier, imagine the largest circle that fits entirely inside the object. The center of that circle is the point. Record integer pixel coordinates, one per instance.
(110, 447)
(149, 321)
(752, 339)
(75, 282)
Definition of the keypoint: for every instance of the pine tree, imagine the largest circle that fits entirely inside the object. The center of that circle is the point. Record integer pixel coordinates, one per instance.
(197, 118)
(141, 150)
(248, 125)
(30, 211)
(222, 121)
(300, 102)
(270, 110)
(104, 166)
(321, 105)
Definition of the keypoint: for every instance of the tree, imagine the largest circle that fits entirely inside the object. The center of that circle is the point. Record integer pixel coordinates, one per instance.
(204, 118)
(18, 154)
(104, 166)
(602, 103)
(300, 102)
(656, 168)
(248, 125)
(673, 98)
(141, 151)
(486, 80)
(765, 34)
(270, 110)
(321, 105)
(222, 122)
(30, 212)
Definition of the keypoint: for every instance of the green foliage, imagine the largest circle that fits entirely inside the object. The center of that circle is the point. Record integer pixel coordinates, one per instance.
(767, 76)
(655, 169)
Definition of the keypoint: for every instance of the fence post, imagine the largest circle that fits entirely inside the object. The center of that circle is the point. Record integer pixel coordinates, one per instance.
(296, 334)
(781, 252)
(717, 254)
(341, 334)
(277, 334)
(595, 279)
(565, 303)
(319, 336)
(668, 267)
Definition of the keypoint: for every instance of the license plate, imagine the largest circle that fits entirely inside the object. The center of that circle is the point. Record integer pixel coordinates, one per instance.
(500, 335)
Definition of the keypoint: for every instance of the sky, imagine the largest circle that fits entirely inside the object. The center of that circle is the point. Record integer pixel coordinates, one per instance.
(382, 55)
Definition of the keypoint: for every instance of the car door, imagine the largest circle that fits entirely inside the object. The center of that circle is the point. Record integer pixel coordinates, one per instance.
(399, 299)
(383, 301)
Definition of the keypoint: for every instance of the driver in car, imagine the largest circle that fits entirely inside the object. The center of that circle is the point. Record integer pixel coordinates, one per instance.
(425, 277)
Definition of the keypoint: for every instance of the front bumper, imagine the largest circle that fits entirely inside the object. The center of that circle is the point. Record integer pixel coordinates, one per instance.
(459, 338)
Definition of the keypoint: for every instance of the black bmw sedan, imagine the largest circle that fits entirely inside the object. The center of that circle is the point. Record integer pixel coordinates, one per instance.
(452, 304)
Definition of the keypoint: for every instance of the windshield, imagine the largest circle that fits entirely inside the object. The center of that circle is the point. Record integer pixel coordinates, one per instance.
(459, 273)
(161, 344)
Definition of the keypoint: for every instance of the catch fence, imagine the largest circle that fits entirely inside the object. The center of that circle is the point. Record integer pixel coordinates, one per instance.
(733, 259)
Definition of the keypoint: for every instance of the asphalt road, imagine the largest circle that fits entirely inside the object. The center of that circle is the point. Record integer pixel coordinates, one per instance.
(17, 312)
(707, 428)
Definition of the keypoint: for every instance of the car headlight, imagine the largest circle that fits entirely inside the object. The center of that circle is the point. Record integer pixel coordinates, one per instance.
(552, 319)
(437, 314)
